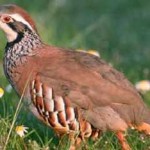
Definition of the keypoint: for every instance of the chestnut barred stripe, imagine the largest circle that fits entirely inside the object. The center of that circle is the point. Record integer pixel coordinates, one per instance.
(57, 111)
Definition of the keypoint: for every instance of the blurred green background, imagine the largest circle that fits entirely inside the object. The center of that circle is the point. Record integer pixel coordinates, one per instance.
(119, 30)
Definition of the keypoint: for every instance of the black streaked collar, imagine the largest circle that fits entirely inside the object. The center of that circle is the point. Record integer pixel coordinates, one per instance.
(19, 36)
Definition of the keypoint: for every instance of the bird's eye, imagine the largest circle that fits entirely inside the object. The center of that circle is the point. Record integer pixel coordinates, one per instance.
(6, 19)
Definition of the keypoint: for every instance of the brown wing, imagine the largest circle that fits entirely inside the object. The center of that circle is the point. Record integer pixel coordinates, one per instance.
(79, 72)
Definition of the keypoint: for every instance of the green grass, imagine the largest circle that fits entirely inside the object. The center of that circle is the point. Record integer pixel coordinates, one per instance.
(119, 30)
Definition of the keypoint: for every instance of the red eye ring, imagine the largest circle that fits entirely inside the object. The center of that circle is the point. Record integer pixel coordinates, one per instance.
(6, 19)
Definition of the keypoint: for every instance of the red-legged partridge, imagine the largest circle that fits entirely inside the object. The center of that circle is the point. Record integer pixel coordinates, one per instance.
(74, 93)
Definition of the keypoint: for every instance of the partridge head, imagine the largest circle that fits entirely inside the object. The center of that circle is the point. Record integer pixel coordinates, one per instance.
(74, 93)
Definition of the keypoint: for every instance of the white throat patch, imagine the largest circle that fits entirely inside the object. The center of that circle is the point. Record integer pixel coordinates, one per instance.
(10, 34)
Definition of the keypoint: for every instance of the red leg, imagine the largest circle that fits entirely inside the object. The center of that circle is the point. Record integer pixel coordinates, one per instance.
(123, 141)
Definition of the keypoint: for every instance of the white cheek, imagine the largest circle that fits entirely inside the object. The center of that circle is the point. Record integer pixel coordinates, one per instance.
(10, 34)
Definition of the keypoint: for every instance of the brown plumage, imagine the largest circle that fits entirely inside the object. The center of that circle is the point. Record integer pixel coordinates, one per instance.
(74, 93)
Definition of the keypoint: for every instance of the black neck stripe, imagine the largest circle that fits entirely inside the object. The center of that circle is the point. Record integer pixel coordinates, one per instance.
(18, 39)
